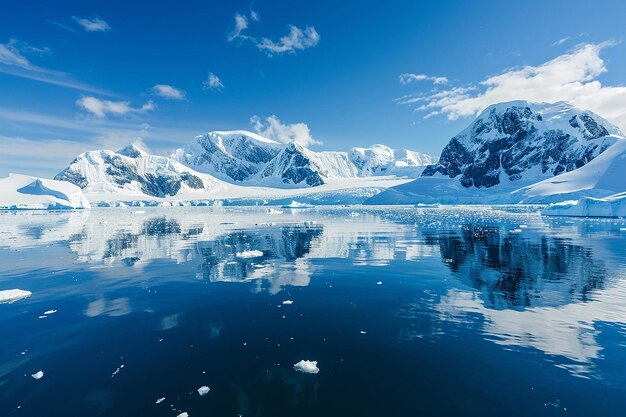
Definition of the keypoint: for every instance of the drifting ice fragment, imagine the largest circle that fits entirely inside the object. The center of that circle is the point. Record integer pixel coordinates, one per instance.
(249, 254)
(38, 375)
(288, 302)
(10, 296)
(204, 390)
(308, 367)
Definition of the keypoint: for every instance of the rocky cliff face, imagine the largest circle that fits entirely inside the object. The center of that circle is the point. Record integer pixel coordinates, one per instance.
(515, 140)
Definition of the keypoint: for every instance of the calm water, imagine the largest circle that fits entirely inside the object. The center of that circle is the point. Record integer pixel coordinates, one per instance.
(409, 312)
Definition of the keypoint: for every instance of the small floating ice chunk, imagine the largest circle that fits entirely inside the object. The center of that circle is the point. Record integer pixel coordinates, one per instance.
(117, 371)
(37, 375)
(183, 414)
(10, 296)
(160, 400)
(288, 302)
(379, 283)
(47, 313)
(308, 367)
(363, 332)
(249, 254)
(203, 390)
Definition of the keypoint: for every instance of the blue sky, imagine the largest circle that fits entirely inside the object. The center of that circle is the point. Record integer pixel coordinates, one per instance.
(78, 75)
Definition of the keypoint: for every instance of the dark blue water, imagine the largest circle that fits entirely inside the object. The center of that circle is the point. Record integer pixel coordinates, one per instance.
(408, 312)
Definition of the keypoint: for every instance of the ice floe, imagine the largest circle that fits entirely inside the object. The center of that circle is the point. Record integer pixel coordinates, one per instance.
(37, 375)
(10, 296)
(203, 390)
(288, 302)
(308, 367)
(249, 254)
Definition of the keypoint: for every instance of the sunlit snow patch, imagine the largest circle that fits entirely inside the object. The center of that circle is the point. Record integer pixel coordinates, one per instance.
(308, 367)
(249, 254)
(9, 296)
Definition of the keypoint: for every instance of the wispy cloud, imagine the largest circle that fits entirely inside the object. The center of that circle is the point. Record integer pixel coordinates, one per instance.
(62, 26)
(271, 127)
(168, 92)
(92, 25)
(296, 39)
(561, 41)
(13, 61)
(212, 82)
(407, 78)
(241, 24)
(103, 108)
(571, 77)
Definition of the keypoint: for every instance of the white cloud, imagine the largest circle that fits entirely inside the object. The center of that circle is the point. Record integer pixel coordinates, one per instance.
(297, 39)
(213, 82)
(92, 25)
(407, 78)
(168, 92)
(102, 108)
(241, 24)
(561, 41)
(571, 77)
(271, 127)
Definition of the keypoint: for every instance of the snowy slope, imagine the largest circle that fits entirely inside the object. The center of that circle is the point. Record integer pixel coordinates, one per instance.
(602, 177)
(521, 140)
(26, 192)
(134, 171)
(383, 160)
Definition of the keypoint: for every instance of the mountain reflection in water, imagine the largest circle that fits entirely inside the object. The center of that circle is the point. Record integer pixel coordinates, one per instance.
(427, 287)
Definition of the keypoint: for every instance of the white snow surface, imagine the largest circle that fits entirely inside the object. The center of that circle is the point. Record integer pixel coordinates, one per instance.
(307, 367)
(9, 296)
(25, 192)
(604, 176)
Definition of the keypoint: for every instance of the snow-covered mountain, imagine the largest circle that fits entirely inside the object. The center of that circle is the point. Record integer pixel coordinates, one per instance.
(26, 192)
(297, 165)
(133, 171)
(522, 152)
(245, 157)
(521, 140)
(382, 160)
(231, 156)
